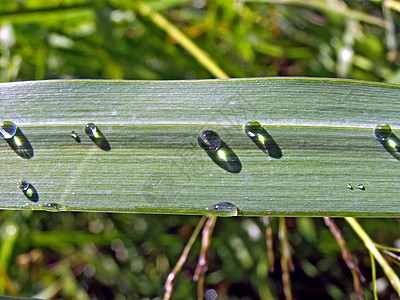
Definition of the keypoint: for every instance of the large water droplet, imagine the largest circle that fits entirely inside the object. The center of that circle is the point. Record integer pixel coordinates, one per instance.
(388, 140)
(8, 129)
(97, 137)
(28, 190)
(219, 151)
(209, 140)
(262, 139)
(383, 132)
(252, 128)
(223, 209)
(16, 139)
(75, 137)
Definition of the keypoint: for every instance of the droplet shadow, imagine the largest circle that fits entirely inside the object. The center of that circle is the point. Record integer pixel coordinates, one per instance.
(219, 152)
(392, 145)
(16, 139)
(264, 141)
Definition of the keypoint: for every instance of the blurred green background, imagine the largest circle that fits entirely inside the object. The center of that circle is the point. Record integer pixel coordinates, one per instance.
(129, 256)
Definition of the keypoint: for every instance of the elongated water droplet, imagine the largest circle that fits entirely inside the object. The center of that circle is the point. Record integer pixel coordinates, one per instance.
(349, 186)
(75, 136)
(360, 186)
(16, 139)
(52, 207)
(219, 152)
(97, 137)
(209, 140)
(383, 132)
(223, 209)
(28, 190)
(262, 139)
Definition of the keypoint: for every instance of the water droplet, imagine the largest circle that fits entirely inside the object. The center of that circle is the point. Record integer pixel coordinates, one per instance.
(52, 207)
(209, 140)
(349, 186)
(28, 190)
(16, 139)
(219, 151)
(223, 209)
(97, 137)
(75, 136)
(388, 140)
(383, 132)
(262, 139)
(253, 128)
(360, 186)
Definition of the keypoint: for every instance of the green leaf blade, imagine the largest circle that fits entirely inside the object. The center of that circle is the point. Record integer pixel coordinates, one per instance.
(323, 126)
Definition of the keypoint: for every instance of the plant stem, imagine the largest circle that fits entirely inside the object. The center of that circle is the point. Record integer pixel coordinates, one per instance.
(200, 55)
(171, 277)
(391, 275)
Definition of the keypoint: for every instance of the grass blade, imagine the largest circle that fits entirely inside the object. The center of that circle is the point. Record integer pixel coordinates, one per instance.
(324, 128)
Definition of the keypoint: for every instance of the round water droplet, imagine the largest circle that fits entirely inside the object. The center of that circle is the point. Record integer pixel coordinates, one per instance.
(23, 185)
(252, 128)
(8, 129)
(223, 209)
(28, 190)
(75, 136)
(383, 132)
(209, 140)
(349, 186)
(16, 139)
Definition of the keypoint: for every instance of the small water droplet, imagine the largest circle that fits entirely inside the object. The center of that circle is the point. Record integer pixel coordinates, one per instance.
(262, 139)
(360, 186)
(28, 190)
(209, 140)
(349, 186)
(219, 151)
(16, 139)
(75, 136)
(383, 132)
(52, 207)
(97, 137)
(223, 209)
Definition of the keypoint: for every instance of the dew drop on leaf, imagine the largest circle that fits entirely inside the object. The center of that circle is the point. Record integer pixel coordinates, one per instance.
(383, 132)
(28, 190)
(220, 153)
(97, 137)
(223, 209)
(209, 140)
(16, 139)
(360, 186)
(262, 139)
(75, 137)
(252, 128)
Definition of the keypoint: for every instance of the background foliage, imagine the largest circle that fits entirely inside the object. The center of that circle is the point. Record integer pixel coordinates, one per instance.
(125, 256)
